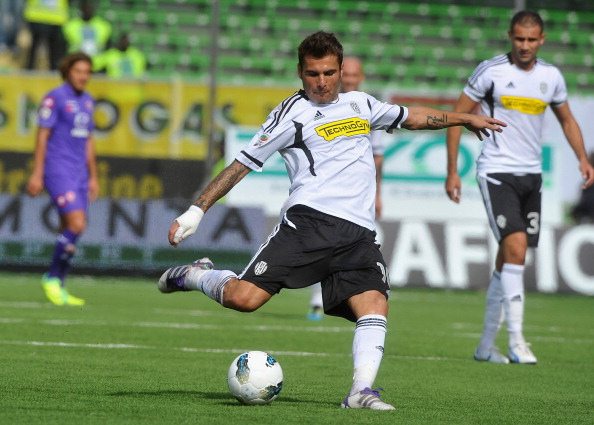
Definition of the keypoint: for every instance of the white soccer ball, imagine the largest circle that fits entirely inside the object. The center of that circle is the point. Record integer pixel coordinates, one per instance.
(255, 377)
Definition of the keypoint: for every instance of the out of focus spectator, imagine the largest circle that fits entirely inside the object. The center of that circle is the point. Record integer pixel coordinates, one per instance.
(87, 33)
(583, 211)
(11, 12)
(121, 61)
(45, 20)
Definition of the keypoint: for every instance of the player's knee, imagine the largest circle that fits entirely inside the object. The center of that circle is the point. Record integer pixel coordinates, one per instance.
(77, 226)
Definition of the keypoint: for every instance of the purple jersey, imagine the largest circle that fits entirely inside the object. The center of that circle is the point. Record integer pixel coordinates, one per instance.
(69, 115)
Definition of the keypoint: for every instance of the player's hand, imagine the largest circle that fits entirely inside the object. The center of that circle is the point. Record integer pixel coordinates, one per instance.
(587, 172)
(453, 187)
(35, 185)
(93, 189)
(480, 125)
(185, 225)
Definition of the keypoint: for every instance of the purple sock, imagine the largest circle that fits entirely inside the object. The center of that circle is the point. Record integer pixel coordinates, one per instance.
(63, 253)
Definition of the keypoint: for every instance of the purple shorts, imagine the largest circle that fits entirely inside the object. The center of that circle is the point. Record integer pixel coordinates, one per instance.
(67, 193)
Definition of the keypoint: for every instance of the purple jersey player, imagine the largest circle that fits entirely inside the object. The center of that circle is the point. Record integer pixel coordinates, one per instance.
(64, 163)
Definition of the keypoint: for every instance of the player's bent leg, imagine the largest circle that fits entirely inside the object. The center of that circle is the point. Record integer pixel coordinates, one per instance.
(242, 295)
(223, 286)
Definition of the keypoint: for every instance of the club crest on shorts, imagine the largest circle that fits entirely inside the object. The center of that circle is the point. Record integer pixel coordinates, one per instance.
(260, 268)
(501, 221)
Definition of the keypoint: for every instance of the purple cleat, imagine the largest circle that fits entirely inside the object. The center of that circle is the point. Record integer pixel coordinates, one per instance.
(173, 280)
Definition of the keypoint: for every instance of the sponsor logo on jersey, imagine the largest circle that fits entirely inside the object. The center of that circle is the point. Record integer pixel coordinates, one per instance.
(346, 128)
(260, 268)
(510, 85)
(525, 105)
(355, 107)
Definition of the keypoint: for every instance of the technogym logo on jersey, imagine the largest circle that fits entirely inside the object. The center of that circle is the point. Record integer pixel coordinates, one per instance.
(525, 105)
(348, 127)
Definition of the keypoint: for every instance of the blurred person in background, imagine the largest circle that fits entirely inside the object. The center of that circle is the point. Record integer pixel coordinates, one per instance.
(121, 61)
(11, 13)
(583, 211)
(352, 78)
(87, 33)
(64, 163)
(45, 20)
(515, 87)
(326, 233)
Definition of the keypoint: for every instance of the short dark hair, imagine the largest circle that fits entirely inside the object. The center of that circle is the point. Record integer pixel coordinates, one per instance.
(318, 45)
(526, 17)
(68, 62)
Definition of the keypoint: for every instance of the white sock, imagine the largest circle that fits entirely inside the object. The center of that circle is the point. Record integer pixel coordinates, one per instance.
(210, 282)
(493, 312)
(368, 350)
(316, 295)
(512, 282)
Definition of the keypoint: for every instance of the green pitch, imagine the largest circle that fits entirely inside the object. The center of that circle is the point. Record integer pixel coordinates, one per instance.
(133, 355)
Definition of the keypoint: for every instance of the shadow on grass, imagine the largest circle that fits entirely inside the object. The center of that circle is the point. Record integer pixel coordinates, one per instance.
(224, 398)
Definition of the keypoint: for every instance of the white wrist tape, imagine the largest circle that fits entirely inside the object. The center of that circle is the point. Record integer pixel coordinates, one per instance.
(188, 223)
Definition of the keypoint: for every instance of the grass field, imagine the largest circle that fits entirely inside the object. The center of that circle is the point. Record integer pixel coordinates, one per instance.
(133, 355)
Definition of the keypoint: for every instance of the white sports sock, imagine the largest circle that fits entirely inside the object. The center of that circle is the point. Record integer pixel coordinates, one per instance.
(316, 295)
(368, 350)
(210, 282)
(512, 282)
(493, 312)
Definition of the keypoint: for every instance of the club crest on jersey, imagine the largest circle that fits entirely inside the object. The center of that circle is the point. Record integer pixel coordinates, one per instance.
(347, 128)
(543, 87)
(355, 107)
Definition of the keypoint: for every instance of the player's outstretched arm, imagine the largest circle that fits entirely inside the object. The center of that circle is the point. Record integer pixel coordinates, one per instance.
(453, 184)
(422, 118)
(187, 223)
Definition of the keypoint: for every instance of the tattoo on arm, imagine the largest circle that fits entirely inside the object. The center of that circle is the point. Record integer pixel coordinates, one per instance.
(221, 184)
(434, 121)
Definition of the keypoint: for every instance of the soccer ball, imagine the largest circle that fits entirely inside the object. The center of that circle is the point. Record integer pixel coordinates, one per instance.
(255, 377)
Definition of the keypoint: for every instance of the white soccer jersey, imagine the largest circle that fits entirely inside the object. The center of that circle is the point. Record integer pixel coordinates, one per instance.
(519, 98)
(327, 151)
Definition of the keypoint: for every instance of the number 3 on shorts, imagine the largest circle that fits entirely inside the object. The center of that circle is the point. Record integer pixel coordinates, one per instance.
(534, 227)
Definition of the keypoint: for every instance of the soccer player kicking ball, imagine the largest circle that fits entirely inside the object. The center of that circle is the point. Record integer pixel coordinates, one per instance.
(64, 163)
(326, 233)
(515, 87)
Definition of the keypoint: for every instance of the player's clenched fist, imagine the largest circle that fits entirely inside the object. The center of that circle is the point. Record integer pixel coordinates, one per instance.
(185, 225)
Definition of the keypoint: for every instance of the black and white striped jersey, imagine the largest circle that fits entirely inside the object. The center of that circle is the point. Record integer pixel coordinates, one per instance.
(327, 151)
(519, 98)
